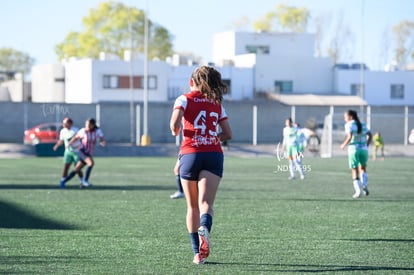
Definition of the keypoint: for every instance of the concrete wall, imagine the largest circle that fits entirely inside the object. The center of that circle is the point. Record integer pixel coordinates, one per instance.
(115, 119)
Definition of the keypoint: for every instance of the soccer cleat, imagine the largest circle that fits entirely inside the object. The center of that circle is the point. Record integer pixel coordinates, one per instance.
(204, 238)
(62, 183)
(177, 195)
(291, 178)
(198, 259)
(302, 177)
(356, 195)
(84, 184)
(365, 190)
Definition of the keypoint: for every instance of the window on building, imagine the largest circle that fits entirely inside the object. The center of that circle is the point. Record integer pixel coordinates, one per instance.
(123, 82)
(110, 82)
(259, 49)
(152, 82)
(397, 91)
(357, 89)
(228, 84)
(284, 87)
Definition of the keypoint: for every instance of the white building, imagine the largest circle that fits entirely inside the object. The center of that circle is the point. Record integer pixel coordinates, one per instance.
(92, 81)
(282, 62)
(380, 87)
(108, 79)
(250, 63)
(48, 83)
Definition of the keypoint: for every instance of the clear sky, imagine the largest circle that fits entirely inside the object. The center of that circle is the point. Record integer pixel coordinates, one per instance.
(35, 27)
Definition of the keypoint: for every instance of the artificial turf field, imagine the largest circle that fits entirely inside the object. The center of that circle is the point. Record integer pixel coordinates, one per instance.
(264, 224)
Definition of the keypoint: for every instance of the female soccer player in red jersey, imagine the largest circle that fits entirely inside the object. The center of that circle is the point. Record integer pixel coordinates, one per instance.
(201, 157)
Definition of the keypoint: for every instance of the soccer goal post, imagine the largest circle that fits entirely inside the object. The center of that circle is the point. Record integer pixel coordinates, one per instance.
(326, 138)
(332, 133)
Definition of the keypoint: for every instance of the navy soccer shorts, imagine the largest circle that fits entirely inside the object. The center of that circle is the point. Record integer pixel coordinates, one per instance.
(192, 164)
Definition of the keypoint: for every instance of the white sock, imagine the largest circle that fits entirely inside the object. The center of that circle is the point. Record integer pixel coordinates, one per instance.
(291, 168)
(356, 186)
(299, 167)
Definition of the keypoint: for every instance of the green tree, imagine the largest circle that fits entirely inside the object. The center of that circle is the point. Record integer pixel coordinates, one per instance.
(15, 61)
(404, 36)
(114, 28)
(289, 19)
(265, 23)
(292, 19)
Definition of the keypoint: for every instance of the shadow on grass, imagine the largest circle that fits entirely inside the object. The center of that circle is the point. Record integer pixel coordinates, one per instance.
(380, 240)
(308, 268)
(93, 187)
(293, 199)
(13, 216)
(361, 200)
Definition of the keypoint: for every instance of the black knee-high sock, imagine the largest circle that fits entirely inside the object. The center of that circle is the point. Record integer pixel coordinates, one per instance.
(70, 176)
(88, 172)
(80, 174)
(207, 221)
(179, 186)
(195, 242)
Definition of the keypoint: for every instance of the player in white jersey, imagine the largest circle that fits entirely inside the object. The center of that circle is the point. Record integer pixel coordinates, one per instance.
(71, 154)
(290, 146)
(358, 138)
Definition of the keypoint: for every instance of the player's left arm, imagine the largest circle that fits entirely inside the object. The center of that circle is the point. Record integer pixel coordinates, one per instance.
(226, 132)
(369, 138)
(102, 140)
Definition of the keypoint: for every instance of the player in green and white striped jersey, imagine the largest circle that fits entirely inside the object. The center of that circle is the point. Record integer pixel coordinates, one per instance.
(358, 138)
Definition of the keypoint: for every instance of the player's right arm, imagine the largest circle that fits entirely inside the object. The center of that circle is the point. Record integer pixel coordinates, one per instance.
(59, 142)
(177, 115)
(348, 132)
(78, 136)
(175, 122)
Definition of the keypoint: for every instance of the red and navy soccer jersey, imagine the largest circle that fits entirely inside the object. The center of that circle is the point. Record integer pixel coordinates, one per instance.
(200, 122)
(88, 139)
